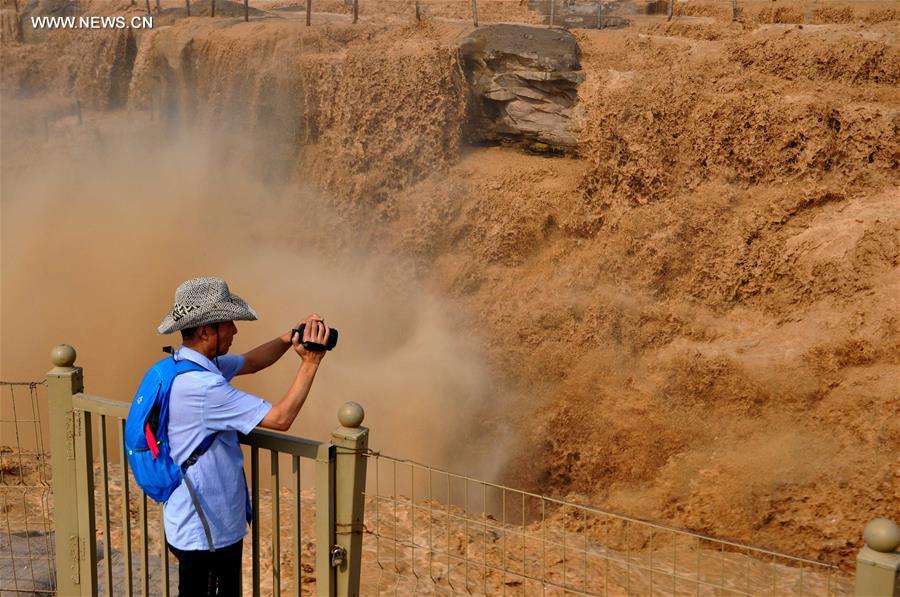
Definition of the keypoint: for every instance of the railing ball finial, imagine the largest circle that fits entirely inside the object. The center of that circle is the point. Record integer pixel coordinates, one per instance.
(882, 535)
(63, 355)
(351, 415)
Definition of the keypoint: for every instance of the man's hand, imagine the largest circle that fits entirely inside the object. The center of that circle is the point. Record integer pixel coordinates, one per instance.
(315, 331)
(286, 337)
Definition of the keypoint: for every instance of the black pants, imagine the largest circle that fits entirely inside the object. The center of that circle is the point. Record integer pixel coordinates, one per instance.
(215, 573)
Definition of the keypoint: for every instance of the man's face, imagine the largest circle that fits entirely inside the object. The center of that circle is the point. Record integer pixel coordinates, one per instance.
(227, 331)
(223, 332)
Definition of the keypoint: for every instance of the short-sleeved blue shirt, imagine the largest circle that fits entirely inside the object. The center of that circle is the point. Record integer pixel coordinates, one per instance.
(202, 403)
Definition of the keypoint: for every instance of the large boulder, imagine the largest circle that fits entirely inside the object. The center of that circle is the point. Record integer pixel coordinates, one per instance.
(524, 84)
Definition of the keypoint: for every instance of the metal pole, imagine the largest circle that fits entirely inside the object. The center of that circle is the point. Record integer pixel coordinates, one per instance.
(734, 10)
(148, 6)
(671, 9)
(418, 11)
(355, 11)
(63, 381)
(212, 8)
(599, 16)
(308, 12)
(351, 441)
(325, 577)
(878, 562)
(187, 7)
(552, 10)
(157, 7)
(246, 10)
(475, 12)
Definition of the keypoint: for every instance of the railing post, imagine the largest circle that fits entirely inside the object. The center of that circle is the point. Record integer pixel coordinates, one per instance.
(878, 562)
(325, 574)
(84, 484)
(350, 441)
(63, 381)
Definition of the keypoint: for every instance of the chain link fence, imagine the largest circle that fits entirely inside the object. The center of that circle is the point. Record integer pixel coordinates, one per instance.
(433, 532)
(26, 503)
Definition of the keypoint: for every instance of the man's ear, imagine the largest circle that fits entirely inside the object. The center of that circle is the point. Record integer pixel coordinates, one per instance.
(204, 332)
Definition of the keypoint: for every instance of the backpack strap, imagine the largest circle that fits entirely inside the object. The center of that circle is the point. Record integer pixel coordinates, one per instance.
(192, 459)
(199, 451)
(184, 366)
(199, 509)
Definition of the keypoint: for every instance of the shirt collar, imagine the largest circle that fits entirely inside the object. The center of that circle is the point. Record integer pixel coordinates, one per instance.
(190, 354)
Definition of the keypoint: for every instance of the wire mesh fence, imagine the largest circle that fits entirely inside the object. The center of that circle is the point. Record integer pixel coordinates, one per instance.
(429, 531)
(26, 537)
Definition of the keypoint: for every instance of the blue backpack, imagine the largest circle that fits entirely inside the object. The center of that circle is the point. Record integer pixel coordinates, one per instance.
(147, 436)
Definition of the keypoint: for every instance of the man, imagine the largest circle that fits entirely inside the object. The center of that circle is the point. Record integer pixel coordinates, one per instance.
(204, 404)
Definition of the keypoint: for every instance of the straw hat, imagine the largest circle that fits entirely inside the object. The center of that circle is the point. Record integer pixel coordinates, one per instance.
(205, 300)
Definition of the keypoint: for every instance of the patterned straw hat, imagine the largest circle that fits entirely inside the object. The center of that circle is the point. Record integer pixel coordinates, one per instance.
(205, 300)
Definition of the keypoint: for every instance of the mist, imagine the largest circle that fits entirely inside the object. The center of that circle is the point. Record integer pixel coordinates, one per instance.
(99, 229)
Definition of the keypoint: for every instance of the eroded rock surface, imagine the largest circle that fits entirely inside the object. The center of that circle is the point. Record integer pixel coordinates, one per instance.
(524, 81)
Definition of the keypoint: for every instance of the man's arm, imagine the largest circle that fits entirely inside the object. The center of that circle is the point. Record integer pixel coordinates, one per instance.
(283, 413)
(266, 354)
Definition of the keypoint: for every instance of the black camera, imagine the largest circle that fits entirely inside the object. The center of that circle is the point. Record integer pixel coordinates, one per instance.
(330, 343)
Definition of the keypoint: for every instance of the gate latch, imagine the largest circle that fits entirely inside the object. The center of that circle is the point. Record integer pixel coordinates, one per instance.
(338, 555)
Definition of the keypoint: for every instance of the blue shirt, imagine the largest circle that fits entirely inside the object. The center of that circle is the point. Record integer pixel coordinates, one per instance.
(202, 403)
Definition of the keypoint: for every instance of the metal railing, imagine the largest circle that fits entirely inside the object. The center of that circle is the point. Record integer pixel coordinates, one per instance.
(434, 532)
(96, 524)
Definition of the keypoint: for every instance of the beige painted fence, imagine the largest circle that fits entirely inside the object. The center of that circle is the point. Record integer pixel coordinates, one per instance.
(75, 418)
(389, 525)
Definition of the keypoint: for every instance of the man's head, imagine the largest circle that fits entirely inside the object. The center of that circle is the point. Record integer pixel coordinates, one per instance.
(204, 312)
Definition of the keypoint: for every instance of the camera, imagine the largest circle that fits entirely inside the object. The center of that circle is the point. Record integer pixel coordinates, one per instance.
(330, 343)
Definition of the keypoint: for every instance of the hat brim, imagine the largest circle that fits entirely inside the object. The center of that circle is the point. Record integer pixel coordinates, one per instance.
(234, 309)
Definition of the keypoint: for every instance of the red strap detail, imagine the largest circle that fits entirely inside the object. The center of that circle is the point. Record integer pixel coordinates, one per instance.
(151, 440)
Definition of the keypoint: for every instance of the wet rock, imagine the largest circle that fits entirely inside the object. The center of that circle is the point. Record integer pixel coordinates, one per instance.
(44, 8)
(524, 84)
